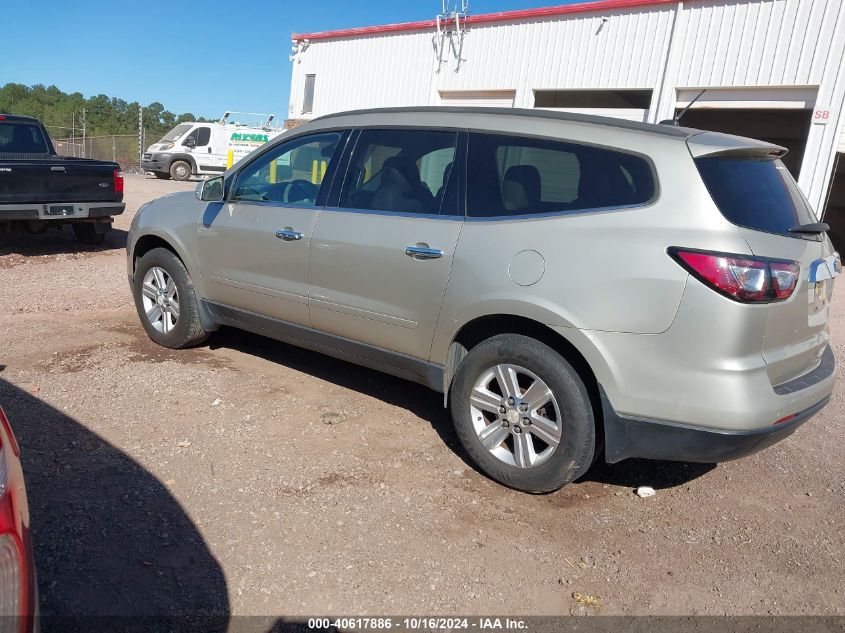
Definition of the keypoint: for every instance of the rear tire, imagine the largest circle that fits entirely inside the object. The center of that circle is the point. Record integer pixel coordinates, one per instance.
(566, 404)
(86, 233)
(162, 175)
(180, 170)
(173, 319)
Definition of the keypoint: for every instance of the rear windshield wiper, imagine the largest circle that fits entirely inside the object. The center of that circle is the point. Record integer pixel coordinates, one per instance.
(814, 227)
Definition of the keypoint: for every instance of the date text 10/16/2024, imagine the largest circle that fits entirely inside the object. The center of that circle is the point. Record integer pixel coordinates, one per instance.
(419, 623)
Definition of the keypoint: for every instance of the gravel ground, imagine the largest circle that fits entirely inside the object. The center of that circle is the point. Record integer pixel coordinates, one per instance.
(251, 477)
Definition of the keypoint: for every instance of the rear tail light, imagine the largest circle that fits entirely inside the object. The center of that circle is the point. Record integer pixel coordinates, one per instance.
(4, 422)
(15, 613)
(740, 277)
(12, 583)
(118, 181)
(784, 279)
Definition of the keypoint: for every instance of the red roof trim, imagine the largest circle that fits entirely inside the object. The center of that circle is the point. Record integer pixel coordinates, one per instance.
(503, 16)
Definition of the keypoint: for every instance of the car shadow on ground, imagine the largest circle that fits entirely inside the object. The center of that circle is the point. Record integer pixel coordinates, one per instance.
(109, 538)
(56, 242)
(428, 405)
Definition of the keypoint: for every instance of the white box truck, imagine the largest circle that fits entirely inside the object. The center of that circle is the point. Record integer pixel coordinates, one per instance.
(196, 148)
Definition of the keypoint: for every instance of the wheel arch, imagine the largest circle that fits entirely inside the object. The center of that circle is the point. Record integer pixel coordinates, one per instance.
(145, 243)
(484, 327)
(150, 241)
(184, 157)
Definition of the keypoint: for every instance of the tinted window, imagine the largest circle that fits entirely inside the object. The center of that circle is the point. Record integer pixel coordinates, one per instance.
(291, 172)
(401, 170)
(22, 138)
(198, 137)
(757, 193)
(509, 175)
(203, 136)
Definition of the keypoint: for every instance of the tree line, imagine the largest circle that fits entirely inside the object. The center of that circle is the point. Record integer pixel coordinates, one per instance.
(104, 115)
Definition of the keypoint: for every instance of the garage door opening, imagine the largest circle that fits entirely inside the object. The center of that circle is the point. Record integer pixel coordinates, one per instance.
(632, 105)
(478, 98)
(834, 212)
(788, 128)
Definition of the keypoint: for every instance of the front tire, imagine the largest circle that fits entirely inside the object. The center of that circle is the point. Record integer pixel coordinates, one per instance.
(180, 170)
(166, 301)
(523, 414)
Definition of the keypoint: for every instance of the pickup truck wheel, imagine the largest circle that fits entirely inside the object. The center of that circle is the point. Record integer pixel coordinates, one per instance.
(87, 234)
(523, 414)
(162, 175)
(180, 170)
(166, 301)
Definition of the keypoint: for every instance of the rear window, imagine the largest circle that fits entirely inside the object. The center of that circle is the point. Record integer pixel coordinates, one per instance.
(22, 138)
(511, 175)
(755, 193)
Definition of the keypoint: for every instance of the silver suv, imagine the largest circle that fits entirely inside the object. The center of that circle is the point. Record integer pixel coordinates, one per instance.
(575, 286)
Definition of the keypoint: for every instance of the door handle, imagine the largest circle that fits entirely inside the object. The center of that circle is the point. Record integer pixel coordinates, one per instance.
(421, 251)
(288, 234)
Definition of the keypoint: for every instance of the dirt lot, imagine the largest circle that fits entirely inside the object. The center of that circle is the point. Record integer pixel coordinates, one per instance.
(250, 477)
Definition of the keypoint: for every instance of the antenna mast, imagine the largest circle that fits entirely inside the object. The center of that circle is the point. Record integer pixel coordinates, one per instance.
(451, 16)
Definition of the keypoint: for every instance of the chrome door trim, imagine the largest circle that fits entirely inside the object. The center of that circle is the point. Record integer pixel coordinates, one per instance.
(289, 235)
(423, 252)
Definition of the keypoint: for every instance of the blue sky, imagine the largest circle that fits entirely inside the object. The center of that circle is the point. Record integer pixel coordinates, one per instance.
(200, 57)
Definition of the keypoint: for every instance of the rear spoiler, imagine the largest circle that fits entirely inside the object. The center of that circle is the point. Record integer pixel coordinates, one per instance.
(715, 143)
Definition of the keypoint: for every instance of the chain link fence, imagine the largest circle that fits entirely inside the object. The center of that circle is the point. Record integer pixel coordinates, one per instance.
(122, 149)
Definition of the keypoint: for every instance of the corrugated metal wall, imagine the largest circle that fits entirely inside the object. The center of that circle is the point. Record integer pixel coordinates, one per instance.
(664, 47)
(608, 50)
(755, 43)
(362, 72)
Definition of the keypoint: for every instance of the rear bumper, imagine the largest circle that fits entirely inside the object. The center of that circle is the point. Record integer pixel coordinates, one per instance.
(659, 439)
(61, 211)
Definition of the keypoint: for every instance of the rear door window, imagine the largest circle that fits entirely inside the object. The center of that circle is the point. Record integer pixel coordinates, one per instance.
(405, 171)
(511, 175)
(755, 193)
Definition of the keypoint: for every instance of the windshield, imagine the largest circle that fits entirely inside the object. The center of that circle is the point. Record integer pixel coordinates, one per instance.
(22, 138)
(756, 193)
(176, 133)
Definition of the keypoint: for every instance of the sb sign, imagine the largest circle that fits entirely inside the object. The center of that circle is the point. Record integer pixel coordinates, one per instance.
(822, 115)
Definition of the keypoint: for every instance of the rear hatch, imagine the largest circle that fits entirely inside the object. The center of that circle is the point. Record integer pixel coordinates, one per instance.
(55, 179)
(753, 190)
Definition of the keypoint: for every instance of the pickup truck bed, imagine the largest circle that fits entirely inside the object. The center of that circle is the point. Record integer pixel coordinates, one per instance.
(39, 189)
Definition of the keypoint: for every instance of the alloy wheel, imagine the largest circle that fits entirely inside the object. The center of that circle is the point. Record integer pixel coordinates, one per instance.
(161, 299)
(515, 415)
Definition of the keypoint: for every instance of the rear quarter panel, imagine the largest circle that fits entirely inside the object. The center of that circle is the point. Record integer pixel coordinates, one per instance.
(604, 270)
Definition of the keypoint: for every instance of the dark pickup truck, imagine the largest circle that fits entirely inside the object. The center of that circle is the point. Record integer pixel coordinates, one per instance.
(39, 189)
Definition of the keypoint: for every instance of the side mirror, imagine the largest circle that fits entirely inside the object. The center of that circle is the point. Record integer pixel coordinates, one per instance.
(210, 190)
(190, 142)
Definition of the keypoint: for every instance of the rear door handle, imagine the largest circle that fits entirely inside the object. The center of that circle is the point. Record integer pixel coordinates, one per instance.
(288, 234)
(420, 251)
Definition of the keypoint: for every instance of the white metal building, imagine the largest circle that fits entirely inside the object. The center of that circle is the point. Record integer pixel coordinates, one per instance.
(772, 69)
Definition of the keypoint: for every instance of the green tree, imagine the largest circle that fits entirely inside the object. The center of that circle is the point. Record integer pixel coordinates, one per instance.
(104, 115)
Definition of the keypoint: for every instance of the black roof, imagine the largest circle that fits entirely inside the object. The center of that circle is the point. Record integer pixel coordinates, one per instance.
(18, 117)
(652, 128)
